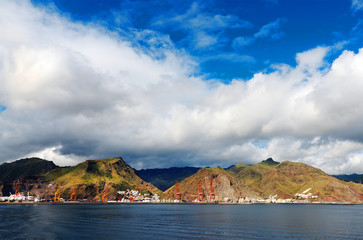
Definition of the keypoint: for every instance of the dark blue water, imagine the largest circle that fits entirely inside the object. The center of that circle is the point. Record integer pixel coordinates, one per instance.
(181, 222)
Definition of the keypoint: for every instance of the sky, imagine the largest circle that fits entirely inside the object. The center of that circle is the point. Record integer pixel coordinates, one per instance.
(183, 83)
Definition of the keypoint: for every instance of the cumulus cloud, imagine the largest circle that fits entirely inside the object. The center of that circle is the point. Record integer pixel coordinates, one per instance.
(54, 154)
(74, 91)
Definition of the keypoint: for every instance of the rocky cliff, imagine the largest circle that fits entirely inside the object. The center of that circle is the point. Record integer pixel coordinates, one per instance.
(224, 184)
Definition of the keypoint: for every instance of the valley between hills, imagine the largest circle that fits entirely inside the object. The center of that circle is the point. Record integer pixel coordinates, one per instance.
(94, 179)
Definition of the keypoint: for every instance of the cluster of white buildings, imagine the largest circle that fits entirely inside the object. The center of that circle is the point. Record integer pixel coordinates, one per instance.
(135, 196)
(271, 199)
(305, 195)
(18, 197)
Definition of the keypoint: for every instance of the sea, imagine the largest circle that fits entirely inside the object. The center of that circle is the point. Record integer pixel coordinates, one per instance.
(180, 221)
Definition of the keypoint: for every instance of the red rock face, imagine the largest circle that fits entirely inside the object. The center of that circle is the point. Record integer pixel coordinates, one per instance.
(225, 185)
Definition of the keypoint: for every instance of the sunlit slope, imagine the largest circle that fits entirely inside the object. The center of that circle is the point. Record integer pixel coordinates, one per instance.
(237, 168)
(225, 185)
(93, 177)
(288, 178)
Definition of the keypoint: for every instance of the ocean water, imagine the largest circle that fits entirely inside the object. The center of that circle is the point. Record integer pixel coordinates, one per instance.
(181, 221)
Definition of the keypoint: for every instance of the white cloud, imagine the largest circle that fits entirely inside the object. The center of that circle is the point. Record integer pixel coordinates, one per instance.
(332, 155)
(271, 30)
(241, 42)
(231, 57)
(196, 19)
(74, 91)
(325, 153)
(357, 5)
(204, 29)
(53, 154)
(312, 59)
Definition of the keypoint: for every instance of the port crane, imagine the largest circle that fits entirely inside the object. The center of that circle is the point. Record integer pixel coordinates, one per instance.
(17, 191)
(104, 196)
(57, 195)
(73, 194)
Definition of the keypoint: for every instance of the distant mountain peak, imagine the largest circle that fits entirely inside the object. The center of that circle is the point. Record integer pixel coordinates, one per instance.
(270, 161)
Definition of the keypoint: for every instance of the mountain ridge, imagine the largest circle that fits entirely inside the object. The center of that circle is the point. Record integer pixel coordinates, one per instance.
(164, 178)
(24, 168)
(94, 177)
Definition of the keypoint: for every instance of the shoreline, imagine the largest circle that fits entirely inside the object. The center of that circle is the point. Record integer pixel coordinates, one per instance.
(168, 203)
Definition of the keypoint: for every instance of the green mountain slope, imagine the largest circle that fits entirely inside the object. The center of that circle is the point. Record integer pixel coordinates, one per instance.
(252, 175)
(288, 178)
(236, 168)
(93, 177)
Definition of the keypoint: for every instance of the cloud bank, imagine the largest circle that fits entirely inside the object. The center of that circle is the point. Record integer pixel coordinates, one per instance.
(72, 91)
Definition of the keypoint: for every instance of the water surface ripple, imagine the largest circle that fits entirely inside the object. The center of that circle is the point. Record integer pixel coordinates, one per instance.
(164, 221)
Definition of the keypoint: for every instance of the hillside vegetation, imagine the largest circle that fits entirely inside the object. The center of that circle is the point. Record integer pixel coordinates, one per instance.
(288, 178)
(93, 177)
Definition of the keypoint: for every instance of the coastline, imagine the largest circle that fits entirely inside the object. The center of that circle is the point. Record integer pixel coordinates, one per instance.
(170, 203)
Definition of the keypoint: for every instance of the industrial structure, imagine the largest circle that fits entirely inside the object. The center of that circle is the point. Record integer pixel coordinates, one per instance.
(104, 197)
(73, 194)
(57, 195)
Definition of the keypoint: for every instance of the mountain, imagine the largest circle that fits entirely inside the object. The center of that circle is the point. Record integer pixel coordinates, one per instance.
(93, 177)
(225, 185)
(236, 168)
(25, 168)
(240, 166)
(357, 178)
(288, 178)
(164, 178)
(285, 179)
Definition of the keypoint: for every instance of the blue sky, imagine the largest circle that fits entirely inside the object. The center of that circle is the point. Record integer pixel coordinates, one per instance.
(176, 83)
(231, 39)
